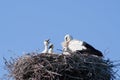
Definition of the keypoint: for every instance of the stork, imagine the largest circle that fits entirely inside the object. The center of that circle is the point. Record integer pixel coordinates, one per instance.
(73, 45)
(46, 43)
(51, 46)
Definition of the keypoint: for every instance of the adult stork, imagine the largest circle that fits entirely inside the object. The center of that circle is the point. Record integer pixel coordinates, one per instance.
(73, 45)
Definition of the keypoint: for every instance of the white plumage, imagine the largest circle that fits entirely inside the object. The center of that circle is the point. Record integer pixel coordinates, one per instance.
(66, 53)
(46, 43)
(51, 46)
(75, 45)
(72, 45)
(65, 44)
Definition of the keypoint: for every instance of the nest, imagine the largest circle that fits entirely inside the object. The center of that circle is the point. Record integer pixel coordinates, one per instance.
(60, 67)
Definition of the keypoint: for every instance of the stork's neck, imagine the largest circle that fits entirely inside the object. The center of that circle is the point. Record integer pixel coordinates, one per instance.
(50, 50)
(46, 49)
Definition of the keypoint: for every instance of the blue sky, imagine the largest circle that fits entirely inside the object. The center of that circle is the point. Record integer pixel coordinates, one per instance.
(24, 24)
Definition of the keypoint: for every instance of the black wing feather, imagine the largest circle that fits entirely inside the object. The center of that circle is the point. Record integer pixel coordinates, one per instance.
(91, 50)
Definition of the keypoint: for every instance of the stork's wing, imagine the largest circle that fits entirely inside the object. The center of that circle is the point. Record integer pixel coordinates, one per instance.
(76, 45)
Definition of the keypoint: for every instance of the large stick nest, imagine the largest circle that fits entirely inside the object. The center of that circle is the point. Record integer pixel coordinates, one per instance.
(60, 67)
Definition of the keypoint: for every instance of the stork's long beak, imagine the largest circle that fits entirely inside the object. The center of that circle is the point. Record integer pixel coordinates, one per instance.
(48, 40)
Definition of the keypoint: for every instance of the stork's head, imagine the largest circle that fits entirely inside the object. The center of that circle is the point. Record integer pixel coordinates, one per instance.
(46, 42)
(68, 38)
(51, 46)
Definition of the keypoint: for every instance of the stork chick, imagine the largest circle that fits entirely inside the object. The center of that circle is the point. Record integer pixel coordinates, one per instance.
(46, 43)
(50, 51)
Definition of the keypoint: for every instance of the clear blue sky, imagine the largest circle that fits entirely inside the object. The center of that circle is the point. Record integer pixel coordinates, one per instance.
(24, 24)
